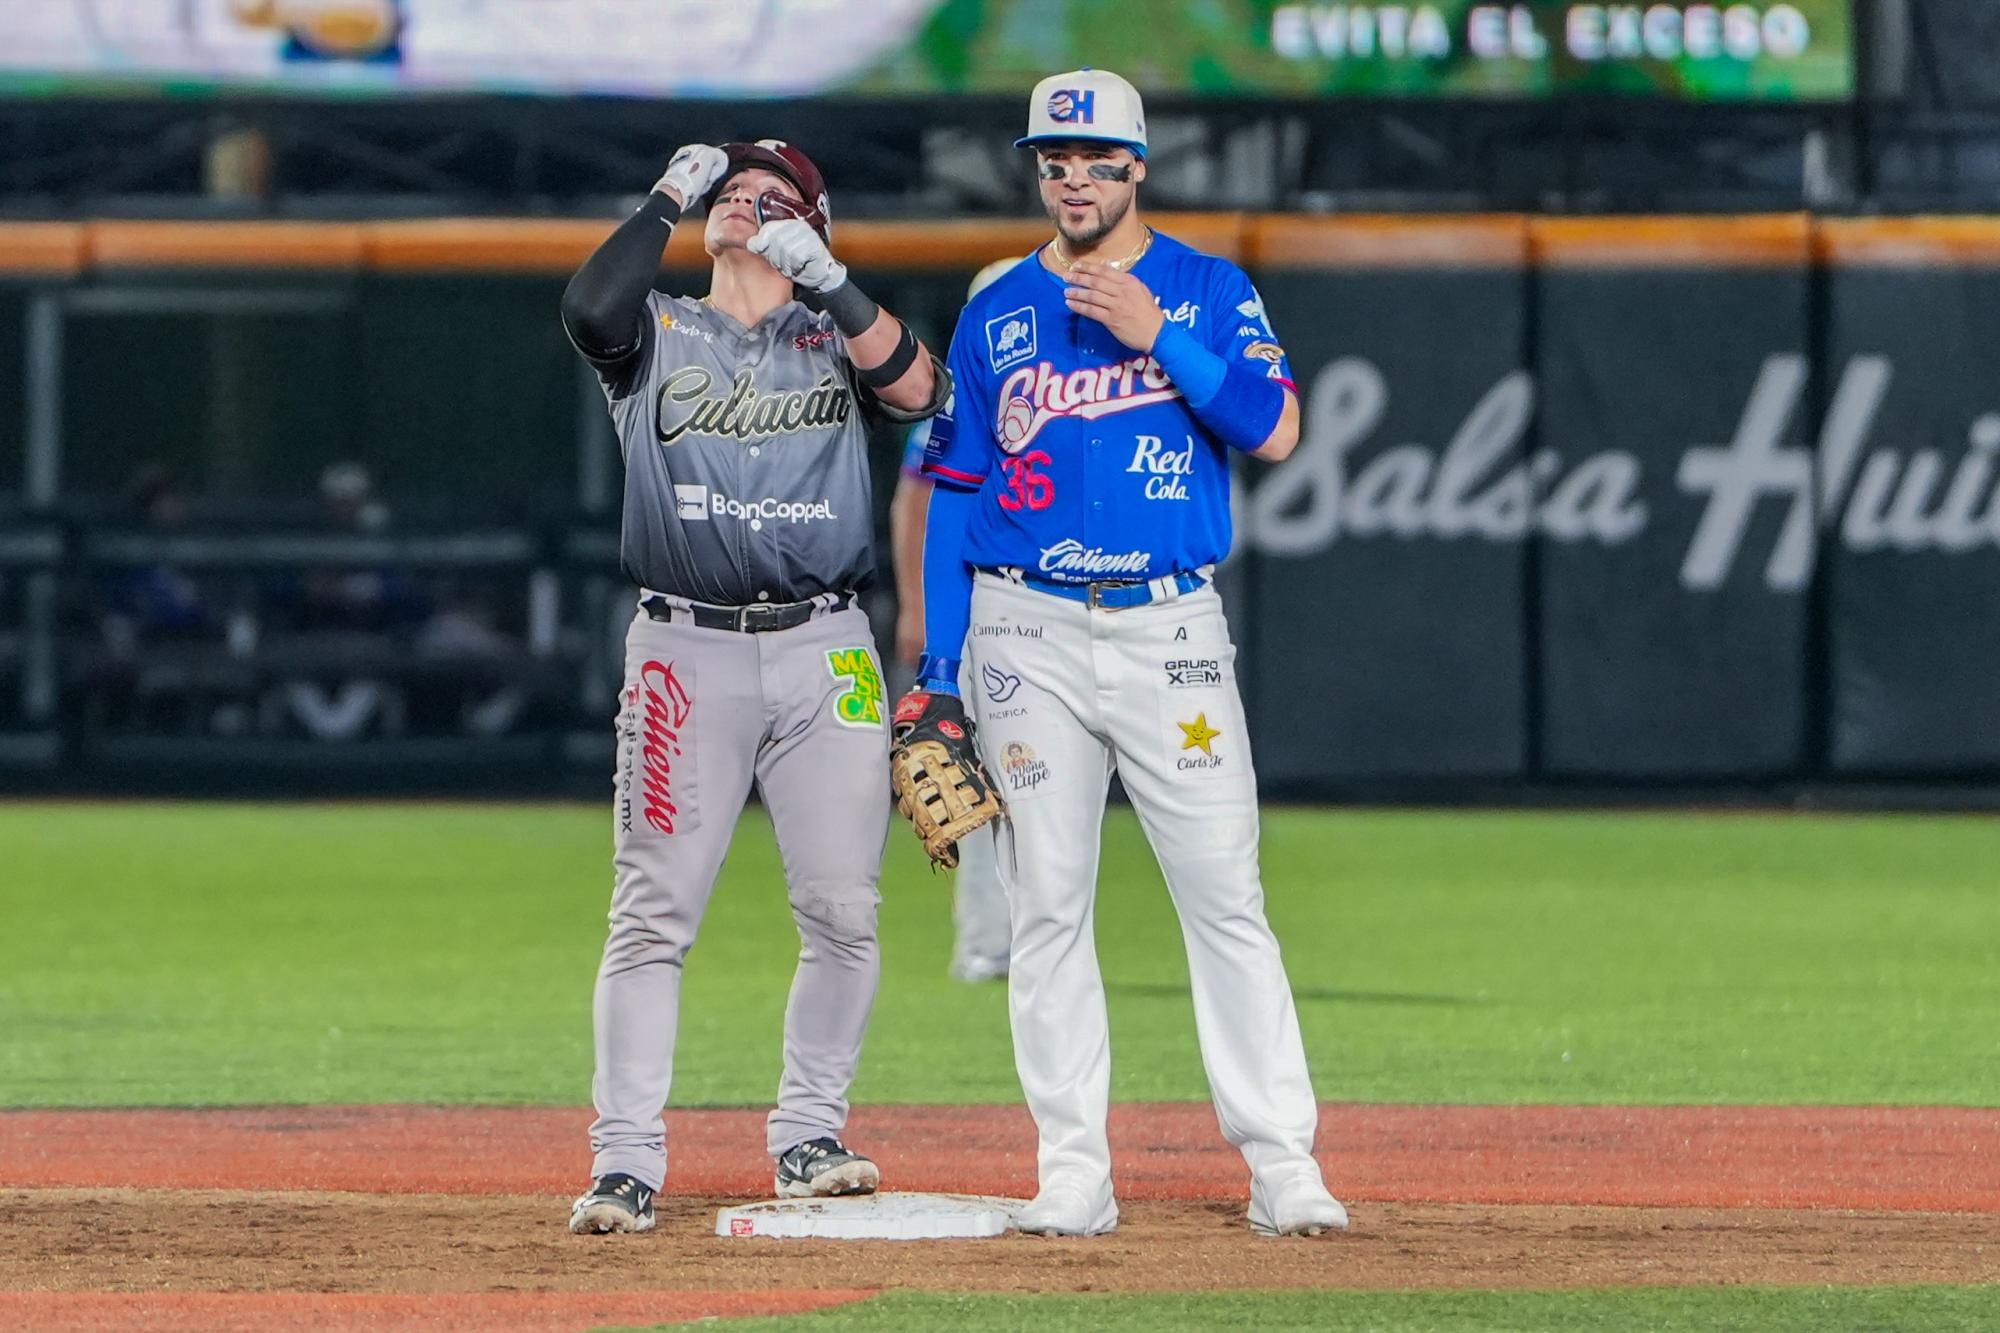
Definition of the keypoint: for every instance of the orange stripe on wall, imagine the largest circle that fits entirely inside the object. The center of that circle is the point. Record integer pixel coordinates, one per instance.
(967, 244)
(555, 246)
(52, 248)
(226, 245)
(1387, 241)
(1671, 242)
(1224, 234)
(486, 245)
(558, 245)
(1922, 242)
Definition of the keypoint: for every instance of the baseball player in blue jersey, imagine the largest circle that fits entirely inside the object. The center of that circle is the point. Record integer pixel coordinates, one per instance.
(1080, 502)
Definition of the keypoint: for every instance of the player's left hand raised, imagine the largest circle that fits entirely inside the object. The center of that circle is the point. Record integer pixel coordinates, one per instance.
(1117, 300)
(792, 247)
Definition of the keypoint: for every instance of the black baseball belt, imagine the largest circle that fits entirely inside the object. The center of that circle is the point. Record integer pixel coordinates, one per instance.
(756, 618)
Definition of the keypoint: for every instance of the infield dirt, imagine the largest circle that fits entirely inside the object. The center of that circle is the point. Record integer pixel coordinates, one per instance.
(357, 1217)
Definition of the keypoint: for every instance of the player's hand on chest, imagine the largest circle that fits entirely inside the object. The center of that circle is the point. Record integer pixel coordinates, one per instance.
(1118, 301)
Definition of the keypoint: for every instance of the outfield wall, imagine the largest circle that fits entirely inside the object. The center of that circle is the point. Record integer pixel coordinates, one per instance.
(1682, 501)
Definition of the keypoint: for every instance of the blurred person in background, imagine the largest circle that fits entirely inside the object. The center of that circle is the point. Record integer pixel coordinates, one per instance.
(347, 492)
(359, 598)
(468, 672)
(351, 624)
(979, 903)
(151, 602)
(164, 637)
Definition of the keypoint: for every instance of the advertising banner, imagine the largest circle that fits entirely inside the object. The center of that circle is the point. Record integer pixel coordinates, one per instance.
(1384, 602)
(1763, 51)
(1912, 520)
(1675, 523)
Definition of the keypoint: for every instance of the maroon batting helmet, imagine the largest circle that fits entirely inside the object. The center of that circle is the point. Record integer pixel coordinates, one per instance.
(775, 155)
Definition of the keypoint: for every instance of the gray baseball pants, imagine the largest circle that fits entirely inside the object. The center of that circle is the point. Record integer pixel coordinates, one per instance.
(803, 713)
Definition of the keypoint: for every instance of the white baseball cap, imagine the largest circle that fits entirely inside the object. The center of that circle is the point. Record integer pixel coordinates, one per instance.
(1086, 104)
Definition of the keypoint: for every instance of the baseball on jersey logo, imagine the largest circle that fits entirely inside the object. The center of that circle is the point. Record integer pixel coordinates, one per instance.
(1033, 396)
(1073, 106)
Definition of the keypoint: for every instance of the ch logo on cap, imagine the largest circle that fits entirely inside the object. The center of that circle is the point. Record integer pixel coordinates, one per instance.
(1073, 106)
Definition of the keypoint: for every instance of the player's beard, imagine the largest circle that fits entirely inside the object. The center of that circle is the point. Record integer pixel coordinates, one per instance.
(1109, 215)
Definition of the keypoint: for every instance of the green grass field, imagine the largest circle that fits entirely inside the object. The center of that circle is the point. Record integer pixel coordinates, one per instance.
(1657, 1309)
(187, 955)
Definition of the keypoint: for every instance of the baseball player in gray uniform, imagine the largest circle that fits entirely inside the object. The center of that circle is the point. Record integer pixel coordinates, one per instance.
(747, 526)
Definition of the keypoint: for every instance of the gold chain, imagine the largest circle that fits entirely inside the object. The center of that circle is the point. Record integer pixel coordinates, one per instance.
(1144, 245)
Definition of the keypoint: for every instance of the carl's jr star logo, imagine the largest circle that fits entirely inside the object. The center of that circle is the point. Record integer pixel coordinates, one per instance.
(1197, 734)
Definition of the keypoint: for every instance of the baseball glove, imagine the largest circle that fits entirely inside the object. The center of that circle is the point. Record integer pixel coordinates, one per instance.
(940, 785)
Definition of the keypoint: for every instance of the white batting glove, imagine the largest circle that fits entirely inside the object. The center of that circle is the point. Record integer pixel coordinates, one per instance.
(692, 173)
(792, 247)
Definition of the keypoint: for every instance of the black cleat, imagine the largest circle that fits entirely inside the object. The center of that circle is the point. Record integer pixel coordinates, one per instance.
(824, 1167)
(616, 1202)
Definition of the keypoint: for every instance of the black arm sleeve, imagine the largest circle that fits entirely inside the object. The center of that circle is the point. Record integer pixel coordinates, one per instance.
(604, 306)
(940, 393)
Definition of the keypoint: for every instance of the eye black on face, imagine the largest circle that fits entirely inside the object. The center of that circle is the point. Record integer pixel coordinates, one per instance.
(1099, 164)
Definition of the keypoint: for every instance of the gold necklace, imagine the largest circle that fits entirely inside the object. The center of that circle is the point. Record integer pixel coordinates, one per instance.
(1145, 244)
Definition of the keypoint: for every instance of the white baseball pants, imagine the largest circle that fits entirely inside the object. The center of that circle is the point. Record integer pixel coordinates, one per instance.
(1065, 695)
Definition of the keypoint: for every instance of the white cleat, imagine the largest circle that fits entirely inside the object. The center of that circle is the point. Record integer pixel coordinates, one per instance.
(1297, 1206)
(1069, 1210)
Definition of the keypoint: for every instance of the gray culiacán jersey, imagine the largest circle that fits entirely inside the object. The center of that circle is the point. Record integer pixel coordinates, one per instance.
(746, 464)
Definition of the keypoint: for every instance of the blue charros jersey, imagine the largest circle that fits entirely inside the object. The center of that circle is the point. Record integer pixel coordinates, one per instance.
(1088, 463)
